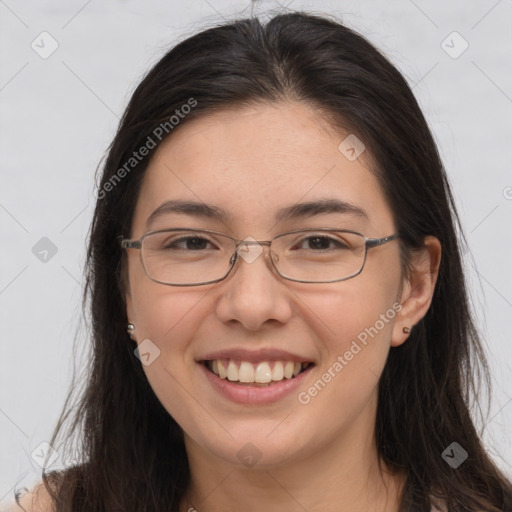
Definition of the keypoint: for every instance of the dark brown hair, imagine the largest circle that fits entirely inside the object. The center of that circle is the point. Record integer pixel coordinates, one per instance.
(133, 455)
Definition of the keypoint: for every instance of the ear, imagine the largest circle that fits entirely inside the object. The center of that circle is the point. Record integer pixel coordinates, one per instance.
(127, 295)
(129, 305)
(417, 289)
(129, 313)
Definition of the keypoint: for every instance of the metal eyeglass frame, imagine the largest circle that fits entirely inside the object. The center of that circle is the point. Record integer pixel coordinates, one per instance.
(368, 242)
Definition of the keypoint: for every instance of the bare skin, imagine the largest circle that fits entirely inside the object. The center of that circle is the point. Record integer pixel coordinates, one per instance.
(315, 456)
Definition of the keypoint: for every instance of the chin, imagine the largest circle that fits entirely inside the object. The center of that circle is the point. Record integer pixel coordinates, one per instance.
(256, 447)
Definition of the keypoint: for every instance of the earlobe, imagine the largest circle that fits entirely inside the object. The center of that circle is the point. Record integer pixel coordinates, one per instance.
(130, 316)
(130, 328)
(418, 289)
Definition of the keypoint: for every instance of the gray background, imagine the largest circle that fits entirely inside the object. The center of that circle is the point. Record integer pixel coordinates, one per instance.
(59, 114)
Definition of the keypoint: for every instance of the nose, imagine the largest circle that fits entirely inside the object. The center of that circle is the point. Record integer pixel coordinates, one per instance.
(254, 294)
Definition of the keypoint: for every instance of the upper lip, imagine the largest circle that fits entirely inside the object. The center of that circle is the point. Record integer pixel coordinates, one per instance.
(255, 356)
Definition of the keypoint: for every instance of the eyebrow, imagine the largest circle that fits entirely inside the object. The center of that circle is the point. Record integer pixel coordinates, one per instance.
(296, 211)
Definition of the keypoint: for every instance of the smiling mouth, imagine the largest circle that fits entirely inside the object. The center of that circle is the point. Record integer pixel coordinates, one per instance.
(262, 374)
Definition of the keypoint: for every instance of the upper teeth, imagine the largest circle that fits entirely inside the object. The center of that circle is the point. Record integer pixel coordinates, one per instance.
(244, 371)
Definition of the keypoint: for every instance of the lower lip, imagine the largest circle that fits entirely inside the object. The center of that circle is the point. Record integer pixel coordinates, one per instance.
(247, 394)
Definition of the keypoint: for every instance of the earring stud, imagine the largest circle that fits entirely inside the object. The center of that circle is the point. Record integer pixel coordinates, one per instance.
(406, 330)
(130, 328)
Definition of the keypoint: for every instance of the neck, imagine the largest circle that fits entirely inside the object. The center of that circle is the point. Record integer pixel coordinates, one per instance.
(344, 475)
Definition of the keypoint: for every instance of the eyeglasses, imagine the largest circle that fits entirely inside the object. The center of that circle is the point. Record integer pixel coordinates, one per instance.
(192, 257)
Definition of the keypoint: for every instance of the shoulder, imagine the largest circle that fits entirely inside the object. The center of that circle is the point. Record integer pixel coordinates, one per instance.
(36, 500)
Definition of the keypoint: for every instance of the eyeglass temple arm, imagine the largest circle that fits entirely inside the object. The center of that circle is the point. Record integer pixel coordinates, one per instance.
(130, 244)
(375, 242)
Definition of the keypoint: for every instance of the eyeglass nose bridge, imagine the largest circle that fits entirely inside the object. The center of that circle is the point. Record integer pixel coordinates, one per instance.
(250, 258)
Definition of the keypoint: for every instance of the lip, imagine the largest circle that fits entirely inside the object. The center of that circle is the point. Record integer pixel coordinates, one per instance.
(255, 356)
(254, 395)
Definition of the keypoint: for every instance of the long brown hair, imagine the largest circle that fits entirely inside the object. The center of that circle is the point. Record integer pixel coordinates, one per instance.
(133, 455)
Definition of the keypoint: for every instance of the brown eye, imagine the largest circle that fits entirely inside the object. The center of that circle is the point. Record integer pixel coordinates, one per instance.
(323, 243)
(191, 243)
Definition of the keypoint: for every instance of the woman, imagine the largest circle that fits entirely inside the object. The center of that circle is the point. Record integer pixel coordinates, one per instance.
(280, 319)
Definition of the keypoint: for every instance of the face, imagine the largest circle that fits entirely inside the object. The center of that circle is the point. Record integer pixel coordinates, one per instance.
(252, 163)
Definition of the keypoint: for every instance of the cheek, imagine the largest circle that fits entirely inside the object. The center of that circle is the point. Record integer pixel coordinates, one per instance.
(162, 313)
(354, 311)
(354, 323)
(170, 320)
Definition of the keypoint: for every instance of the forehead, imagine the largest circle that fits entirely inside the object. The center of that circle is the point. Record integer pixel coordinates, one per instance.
(253, 162)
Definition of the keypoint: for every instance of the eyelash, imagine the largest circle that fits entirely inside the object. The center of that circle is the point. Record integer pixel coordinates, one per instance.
(330, 239)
